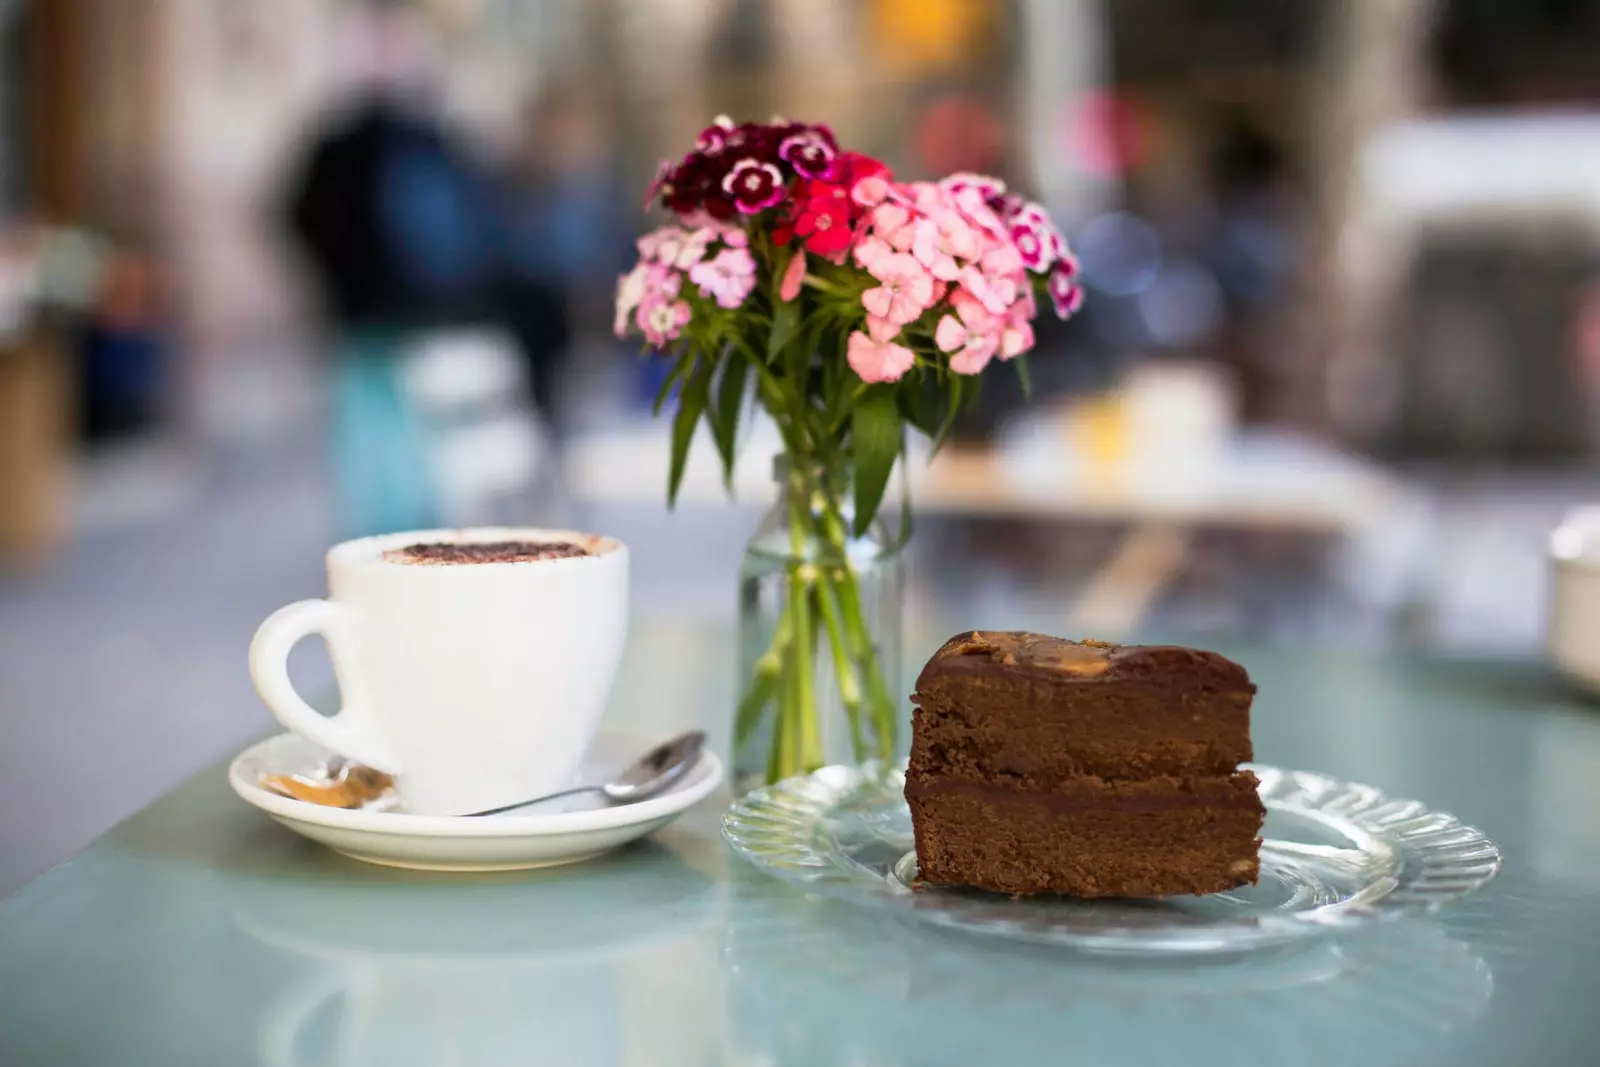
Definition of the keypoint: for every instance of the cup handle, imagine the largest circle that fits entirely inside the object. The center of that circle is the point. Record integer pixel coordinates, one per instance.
(350, 733)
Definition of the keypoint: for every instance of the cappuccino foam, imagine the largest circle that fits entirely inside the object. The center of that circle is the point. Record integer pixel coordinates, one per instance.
(455, 553)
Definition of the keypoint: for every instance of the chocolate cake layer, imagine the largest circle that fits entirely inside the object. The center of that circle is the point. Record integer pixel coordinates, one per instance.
(1020, 843)
(1040, 765)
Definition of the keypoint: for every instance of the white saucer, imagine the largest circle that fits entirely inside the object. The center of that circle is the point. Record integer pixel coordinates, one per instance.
(561, 832)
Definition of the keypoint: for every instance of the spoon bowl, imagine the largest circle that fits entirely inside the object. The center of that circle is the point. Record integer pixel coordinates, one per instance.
(649, 775)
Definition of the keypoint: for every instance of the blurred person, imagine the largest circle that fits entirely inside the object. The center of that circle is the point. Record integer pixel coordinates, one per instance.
(401, 231)
(567, 235)
(124, 371)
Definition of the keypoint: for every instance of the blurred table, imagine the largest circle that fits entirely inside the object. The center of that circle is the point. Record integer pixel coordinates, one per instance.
(1254, 480)
(1270, 482)
(200, 932)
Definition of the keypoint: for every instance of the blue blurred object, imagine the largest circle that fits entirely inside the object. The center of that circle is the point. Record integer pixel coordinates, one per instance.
(383, 470)
(650, 376)
(123, 378)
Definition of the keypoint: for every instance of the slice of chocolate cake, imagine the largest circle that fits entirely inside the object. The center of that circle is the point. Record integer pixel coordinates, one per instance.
(1040, 765)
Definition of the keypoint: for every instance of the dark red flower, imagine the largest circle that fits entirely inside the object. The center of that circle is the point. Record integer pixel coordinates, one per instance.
(808, 154)
(659, 183)
(754, 185)
(1007, 205)
(824, 223)
(713, 139)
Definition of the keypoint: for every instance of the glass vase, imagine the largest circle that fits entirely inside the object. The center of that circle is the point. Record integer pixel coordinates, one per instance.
(820, 619)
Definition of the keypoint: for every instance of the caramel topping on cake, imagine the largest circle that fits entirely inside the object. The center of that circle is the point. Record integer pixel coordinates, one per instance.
(1085, 660)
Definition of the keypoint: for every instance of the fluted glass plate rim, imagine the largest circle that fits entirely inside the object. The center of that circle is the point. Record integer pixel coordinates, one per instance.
(1433, 857)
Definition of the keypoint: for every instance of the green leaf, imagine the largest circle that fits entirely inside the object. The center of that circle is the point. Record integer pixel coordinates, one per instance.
(905, 496)
(725, 412)
(875, 437)
(691, 403)
(673, 375)
(958, 384)
(785, 319)
(1021, 363)
(919, 400)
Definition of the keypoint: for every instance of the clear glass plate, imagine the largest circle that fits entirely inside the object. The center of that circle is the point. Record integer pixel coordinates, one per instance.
(1335, 854)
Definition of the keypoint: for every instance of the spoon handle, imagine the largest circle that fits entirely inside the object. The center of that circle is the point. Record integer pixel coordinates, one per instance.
(535, 800)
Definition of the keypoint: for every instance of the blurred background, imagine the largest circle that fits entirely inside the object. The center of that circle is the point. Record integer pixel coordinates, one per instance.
(273, 272)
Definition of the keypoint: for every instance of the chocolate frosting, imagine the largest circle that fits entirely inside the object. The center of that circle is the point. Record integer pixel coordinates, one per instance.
(1084, 661)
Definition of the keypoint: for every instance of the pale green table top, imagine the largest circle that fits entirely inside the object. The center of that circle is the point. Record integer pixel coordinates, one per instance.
(199, 932)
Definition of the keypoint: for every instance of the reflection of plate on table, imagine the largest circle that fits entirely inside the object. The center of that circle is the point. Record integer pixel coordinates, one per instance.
(1335, 855)
(892, 993)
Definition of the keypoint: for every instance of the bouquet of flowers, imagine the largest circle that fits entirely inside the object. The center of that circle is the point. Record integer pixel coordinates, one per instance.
(851, 305)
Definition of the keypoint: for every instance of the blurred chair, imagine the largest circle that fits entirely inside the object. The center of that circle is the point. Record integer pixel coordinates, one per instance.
(486, 446)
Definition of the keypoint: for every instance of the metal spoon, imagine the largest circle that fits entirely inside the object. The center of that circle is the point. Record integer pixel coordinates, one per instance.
(647, 776)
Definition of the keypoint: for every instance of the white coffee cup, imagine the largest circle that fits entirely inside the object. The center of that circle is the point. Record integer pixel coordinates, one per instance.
(1573, 636)
(474, 684)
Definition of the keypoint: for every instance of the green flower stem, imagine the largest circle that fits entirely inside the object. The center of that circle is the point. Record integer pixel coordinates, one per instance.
(855, 624)
(822, 614)
(843, 667)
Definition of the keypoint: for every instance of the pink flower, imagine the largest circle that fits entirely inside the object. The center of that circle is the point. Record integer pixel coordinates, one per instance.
(728, 277)
(969, 350)
(994, 292)
(631, 290)
(1016, 333)
(1065, 294)
(662, 320)
(808, 154)
(1033, 246)
(978, 212)
(872, 250)
(754, 186)
(693, 249)
(971, 336)
(940, 240)
(895, 224)
(870, 191)
(906, 292)
(1002, 259)
(651, 244)
(878, 361)
(985, 186)
(793, 276)
(882, 330)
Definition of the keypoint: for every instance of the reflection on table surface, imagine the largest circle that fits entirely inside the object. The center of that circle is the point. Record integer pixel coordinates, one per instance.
(201, 932)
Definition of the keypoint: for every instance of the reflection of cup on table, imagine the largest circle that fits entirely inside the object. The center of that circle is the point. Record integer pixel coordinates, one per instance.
(473, 665)
(1573, 637)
